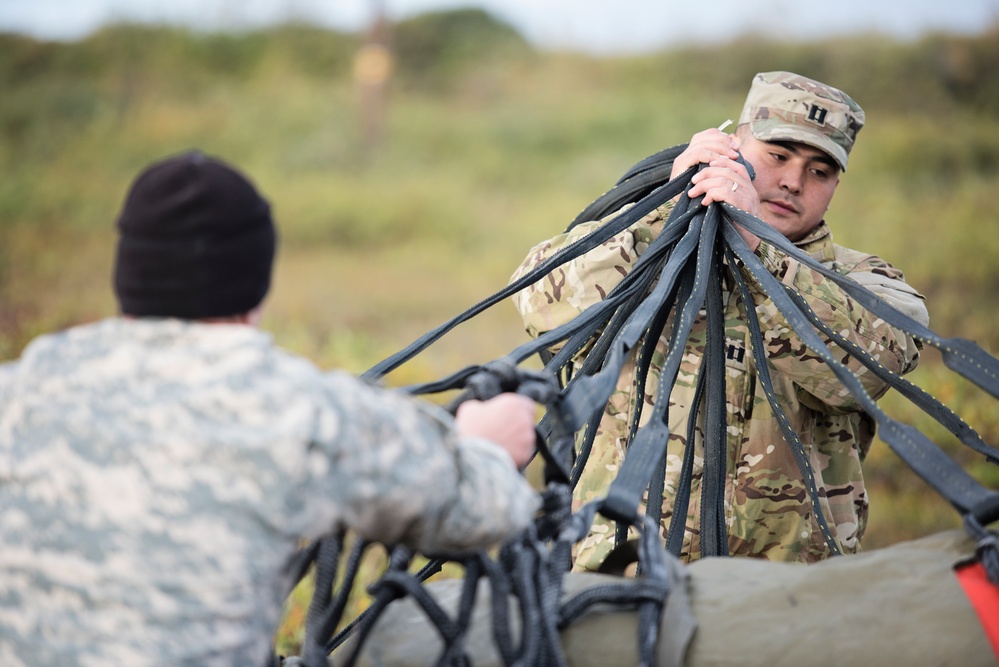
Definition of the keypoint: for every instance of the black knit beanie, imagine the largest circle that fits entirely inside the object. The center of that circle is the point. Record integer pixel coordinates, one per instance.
(197, 241)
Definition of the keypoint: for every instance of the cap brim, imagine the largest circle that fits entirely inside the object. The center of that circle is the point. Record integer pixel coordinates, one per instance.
(801, 135)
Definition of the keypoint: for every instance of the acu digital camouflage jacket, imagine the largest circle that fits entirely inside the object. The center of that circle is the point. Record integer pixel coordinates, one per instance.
(767, 509)
(157, 477)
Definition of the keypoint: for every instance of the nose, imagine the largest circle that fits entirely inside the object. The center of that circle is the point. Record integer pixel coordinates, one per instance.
(790, 179)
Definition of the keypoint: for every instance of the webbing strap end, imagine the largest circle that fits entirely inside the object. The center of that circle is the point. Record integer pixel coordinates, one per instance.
(620, 506)
(987, 510)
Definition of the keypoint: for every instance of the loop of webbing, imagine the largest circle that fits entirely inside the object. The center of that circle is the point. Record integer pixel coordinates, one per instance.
(590, 392)
(324, 612)
(649, 591)
(681, 500)
(399, 559)
(639, 181)
(625, 493)
(647, 448)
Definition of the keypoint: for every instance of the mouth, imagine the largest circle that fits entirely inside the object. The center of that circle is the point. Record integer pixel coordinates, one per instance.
(781, 207)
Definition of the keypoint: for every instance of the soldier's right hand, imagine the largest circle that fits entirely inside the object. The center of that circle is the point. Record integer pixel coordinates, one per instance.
(507, 419)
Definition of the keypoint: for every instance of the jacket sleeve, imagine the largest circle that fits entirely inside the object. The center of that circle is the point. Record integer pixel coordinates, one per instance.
(817, 386)
(395, 471)
(7, 371)
(578, 284)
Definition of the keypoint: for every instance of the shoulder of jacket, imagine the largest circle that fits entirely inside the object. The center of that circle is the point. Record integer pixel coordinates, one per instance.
(848, 260)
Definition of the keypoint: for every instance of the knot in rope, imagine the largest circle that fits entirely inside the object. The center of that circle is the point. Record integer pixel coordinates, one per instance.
(556, 509)
(503, 375)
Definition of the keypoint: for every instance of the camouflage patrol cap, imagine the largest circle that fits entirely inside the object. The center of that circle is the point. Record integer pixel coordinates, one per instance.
(783, 106)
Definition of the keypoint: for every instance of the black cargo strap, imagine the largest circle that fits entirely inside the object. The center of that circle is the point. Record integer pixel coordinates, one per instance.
(619, 224)
(987, 547)
(960, 355)
(529, 569)
(619, 323)
(683, 271)
(645, 451)
(948, 478)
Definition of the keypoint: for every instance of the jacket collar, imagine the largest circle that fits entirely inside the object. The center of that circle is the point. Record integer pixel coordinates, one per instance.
(818, 243)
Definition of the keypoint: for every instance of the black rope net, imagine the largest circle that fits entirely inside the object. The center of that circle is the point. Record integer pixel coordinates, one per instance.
(679, 274)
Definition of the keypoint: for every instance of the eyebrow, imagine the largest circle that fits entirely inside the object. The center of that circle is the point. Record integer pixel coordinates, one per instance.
(820, 156)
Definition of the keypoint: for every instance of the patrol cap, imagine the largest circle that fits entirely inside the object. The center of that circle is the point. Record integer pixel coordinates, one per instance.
(783, 106)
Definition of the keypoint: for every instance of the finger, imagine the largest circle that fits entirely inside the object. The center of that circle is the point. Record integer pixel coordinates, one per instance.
(703, 154)
(724, 184)
(704, 147)
(516, 401)
(715, 147)
(724, 169)
(732, 164)
(711, 134)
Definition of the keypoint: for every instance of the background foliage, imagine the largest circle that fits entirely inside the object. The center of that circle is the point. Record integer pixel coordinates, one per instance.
(487, 147)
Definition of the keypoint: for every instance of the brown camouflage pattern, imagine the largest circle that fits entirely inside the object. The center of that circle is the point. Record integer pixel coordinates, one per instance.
(782, 106)
(768, 512)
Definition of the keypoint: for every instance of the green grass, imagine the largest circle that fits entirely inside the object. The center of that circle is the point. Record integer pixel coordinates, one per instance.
(481, 156)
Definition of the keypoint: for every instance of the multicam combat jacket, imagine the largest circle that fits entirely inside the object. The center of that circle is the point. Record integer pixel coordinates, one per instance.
(767, 509)
(156, 478)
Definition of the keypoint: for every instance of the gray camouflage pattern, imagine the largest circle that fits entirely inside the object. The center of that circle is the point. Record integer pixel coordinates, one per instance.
(768, 514)
(156, 477)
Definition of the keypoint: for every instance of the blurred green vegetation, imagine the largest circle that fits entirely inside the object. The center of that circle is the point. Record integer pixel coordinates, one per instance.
(488, 146)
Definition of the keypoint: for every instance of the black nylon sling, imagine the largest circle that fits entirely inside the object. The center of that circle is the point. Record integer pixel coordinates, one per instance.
(587, 390)
(949, 479)
(680, 273)
(526, 569)
(920, 398)
(624, 495)
(959, 354)
(714, 540)
(620, 223)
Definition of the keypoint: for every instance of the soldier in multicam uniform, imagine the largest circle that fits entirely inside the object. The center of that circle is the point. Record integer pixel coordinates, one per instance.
(797, 134)
(158, 470)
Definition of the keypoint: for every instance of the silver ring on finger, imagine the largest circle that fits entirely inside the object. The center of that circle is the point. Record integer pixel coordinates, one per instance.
(735, 185)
